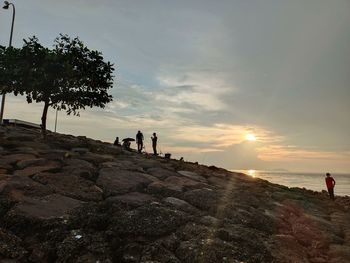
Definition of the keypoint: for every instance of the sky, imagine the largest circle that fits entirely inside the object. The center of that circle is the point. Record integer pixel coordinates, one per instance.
(205, 74)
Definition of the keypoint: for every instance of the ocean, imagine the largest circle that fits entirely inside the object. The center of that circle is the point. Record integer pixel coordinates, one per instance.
(312, 181)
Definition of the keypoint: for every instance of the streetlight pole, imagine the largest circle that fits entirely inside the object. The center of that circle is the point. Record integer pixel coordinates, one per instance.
(56, 119)
(6, 6)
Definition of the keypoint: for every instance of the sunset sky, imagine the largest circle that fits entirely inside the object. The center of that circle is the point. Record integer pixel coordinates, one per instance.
(234, 83)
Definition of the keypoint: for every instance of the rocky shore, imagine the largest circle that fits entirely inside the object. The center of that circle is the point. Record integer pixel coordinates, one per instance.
(74, 199)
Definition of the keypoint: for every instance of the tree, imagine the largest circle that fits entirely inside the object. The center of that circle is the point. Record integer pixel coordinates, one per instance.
(68, 77)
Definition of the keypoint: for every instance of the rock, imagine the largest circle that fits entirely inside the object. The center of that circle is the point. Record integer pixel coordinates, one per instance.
(180, 204)
(124, 165)
(83, 247)
(32, 170)
(107, 149)
(211, 245)
(193, 176)
(30, 162)
(3, 171)
(209, 221)
(219, 182)
(25, 150)
(184, 183)
(285, 248)
(96, 159)
(47, 207)
(133, 199)
(20, 137)
(208, 250)
(131, 253)
(156, 253)
(339, 252)
(17, 188)
(80, 150)
(14, 158)
(164, 189)
(78, 163)
(150, 220)
(148, 164)
(204, 199)
(114, 181)
(160, 172)
(10, 246)
(35, 145)
(82, 168)
(70, 185)
(5, 166)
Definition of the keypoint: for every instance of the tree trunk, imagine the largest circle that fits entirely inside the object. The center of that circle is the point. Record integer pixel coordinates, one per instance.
(43, 119)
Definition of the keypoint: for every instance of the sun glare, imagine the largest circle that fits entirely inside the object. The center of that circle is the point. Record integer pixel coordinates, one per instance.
(250, 137)
(251, 173)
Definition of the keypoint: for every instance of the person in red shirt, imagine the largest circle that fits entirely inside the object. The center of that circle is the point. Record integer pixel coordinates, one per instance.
(330, 182)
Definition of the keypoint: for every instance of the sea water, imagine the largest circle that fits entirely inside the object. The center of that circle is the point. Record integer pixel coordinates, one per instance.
(312, 181)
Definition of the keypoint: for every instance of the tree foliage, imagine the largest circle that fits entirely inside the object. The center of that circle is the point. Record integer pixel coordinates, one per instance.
(68, 77)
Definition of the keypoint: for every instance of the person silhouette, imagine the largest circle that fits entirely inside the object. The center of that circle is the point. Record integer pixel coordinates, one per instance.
(116, 142)
(330, 182)
(154, 143)
(139, 141)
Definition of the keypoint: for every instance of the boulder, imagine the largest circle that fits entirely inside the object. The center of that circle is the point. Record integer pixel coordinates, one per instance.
(18, 187)
(47, 207)
(3, 171)
(35, 145)
(82, 168)
(114, 181)
(133, 199)
(180, 204)
(25, 150)
(160, 172)
(70, 185)
(96, 159)
(209, 221)
(124, 165)
(218, 182)
(150, 220)
(204, 199)
(156, 253)
(80, 150)
(182, 182)
(164, 189)
(14, 158)
(206, 250)
(193, 176)
(10, 246)
(32, 170)
(285, 248)
(30, 162)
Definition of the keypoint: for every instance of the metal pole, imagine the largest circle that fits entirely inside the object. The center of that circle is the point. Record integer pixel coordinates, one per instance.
(56, 120)
(10, 45)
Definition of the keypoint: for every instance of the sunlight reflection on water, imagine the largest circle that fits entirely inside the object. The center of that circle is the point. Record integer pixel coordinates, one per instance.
(312, 181)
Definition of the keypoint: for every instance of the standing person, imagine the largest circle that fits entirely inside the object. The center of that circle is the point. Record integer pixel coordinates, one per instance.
(139, 141)
(154, 143)
(330, 182)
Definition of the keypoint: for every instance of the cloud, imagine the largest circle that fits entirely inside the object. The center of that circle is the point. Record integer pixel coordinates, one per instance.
(224, 135)
(203, 75)
(201, 90)
(293, 153)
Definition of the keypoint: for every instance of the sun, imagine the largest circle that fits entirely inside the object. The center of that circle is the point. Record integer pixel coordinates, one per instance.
(250, 137)
(251, 173)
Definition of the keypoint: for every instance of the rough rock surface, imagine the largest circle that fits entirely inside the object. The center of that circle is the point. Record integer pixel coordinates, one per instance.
(74, 199)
